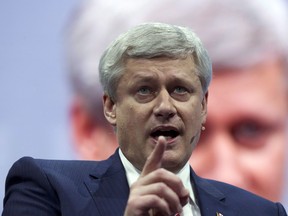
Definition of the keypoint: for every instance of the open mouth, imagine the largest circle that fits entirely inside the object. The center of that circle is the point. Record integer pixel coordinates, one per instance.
(168, 133)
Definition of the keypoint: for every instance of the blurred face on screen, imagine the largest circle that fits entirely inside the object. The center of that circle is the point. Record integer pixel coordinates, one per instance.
(244, 140)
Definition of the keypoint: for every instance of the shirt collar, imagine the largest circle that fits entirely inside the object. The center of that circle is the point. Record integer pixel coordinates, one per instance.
(133, 174)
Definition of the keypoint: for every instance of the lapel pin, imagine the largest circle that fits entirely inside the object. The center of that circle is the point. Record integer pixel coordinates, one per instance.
(219, 214)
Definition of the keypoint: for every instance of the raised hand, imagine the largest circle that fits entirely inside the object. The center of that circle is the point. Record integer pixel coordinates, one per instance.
(157, 191)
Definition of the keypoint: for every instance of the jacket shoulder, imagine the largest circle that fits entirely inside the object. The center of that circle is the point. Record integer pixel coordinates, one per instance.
(42, 186)
(28, 166)
(245, 201)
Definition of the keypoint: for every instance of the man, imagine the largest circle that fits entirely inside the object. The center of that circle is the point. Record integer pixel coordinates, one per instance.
(245, 141)
(155, 79)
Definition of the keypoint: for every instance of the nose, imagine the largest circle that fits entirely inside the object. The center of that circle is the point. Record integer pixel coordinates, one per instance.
(164, 108)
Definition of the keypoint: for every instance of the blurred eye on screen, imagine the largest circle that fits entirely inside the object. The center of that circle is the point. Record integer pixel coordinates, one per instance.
(248, 133)
(251, 134)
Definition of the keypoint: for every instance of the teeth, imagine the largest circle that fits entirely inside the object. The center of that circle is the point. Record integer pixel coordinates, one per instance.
(165, 133)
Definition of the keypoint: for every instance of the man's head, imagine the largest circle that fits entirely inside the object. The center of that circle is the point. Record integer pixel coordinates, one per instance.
(155, 78)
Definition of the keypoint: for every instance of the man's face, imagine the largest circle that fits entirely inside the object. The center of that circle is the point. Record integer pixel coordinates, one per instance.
(159, 97)
(244, 141)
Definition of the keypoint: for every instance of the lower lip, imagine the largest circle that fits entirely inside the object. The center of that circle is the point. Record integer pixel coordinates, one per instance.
(169, 141)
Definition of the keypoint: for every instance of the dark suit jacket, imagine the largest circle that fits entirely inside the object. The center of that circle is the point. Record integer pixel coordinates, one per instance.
(51, 187)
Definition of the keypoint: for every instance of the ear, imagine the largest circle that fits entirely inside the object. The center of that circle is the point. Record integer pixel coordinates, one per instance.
(82, 123)
(109, 109)
(204, 108)
(93, 140)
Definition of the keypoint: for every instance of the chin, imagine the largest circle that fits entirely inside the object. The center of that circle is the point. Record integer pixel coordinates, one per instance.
(172, 161)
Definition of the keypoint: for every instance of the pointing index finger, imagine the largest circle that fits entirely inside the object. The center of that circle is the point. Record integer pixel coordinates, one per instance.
(154, 161)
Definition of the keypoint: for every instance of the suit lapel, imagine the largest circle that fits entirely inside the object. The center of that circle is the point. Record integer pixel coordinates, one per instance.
(210, 200)
(109, 187)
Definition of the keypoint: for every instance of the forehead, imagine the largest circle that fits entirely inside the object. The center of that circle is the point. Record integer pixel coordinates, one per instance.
(153, 68)
(257, 92)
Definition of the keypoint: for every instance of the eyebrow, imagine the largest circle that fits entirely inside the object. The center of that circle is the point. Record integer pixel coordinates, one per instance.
(144, 77)
(184, 80)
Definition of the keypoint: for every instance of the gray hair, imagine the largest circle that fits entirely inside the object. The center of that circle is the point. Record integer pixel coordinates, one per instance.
(151, 40)
(236, 33)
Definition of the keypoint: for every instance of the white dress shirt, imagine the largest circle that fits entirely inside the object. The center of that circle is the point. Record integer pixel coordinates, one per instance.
(191, 208)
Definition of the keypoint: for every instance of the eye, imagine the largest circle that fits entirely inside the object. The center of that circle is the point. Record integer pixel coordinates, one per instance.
(145, 90)
(180, 90)
(144, 94)
(251, 134)
(180, 93)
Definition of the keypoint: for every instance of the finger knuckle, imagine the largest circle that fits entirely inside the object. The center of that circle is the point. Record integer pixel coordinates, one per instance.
(161, 187)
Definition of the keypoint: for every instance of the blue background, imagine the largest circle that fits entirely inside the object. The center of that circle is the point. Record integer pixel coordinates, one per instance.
(34, 94)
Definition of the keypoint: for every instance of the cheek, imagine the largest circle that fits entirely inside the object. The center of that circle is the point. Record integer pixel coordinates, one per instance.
(124, 121)
(192, 118)
(130, 116)
(268, 162)
(266, 170)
